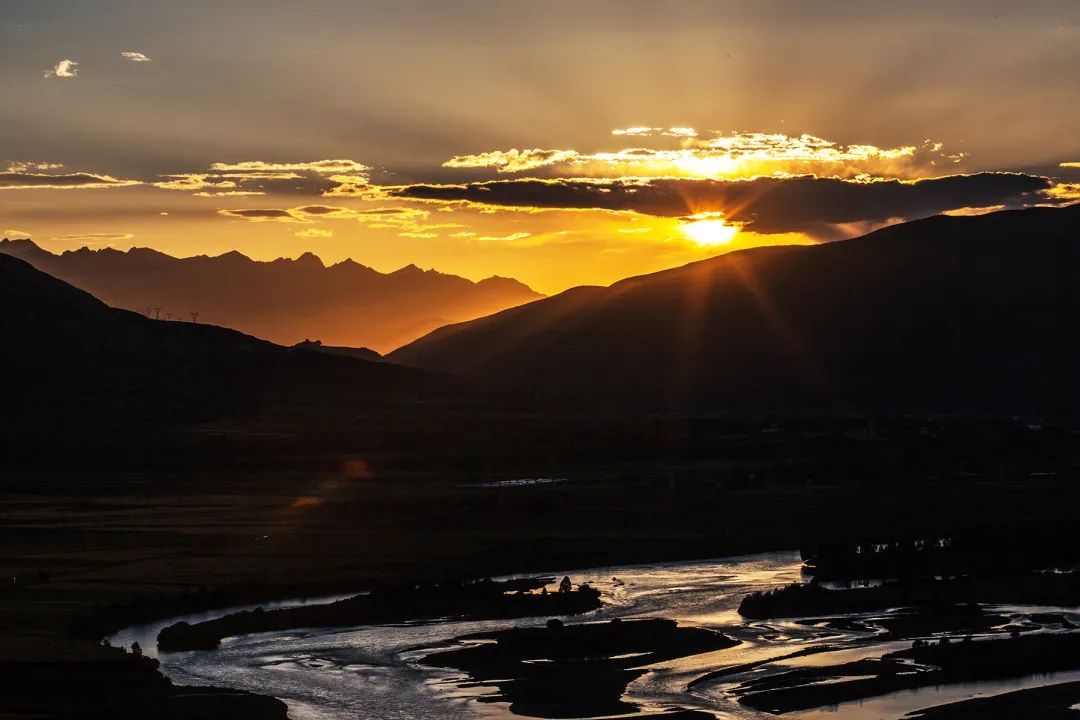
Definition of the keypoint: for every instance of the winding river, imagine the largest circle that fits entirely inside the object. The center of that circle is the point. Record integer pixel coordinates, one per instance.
(372, 672)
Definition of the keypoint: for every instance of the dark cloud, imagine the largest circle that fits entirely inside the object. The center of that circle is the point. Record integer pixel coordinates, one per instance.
(766, 205)
(27, 181)
(318, 209)
(259, 213)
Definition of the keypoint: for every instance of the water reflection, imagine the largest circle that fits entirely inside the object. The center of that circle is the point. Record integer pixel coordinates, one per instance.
(373, 672)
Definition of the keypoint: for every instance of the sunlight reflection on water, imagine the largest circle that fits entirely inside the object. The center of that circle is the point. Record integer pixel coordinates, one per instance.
(372, 672)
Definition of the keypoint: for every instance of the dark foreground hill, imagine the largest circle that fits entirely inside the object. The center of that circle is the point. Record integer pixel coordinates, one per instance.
(284, 301)
(947, 314)
(68, 355)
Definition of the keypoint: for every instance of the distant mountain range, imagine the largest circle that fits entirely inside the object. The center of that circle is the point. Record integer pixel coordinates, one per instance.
(72, 360)
(284, 301)
(946, 314)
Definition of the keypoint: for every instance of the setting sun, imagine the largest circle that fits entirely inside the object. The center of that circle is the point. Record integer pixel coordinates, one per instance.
(709, 230)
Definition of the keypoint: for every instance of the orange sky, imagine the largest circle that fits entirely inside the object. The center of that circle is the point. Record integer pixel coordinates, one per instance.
(563, 145)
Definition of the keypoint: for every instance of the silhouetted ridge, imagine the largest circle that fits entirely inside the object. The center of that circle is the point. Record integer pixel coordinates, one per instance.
(948, 314)
(67, 353)
(286, 300)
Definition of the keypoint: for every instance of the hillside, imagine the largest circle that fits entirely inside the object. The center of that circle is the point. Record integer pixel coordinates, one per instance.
(947, 314)
(68, 355)
(284, 301)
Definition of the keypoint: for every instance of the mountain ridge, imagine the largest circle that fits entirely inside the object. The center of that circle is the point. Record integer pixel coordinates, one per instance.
(284, 300)
(75, 356)
(943, 314)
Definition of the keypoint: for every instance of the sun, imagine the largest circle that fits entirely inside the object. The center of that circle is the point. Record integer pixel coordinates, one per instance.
(709, 230)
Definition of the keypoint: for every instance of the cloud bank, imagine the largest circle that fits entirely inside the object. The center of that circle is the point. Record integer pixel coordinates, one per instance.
(805, 204)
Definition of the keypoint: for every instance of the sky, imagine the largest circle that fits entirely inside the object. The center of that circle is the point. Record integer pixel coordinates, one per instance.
(561, 143)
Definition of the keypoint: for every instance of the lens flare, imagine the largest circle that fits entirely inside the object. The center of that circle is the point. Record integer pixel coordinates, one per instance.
(709, 229)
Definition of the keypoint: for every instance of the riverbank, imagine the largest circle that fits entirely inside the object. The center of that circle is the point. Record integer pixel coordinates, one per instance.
(92, 552)
(471, 600)
(121, 686)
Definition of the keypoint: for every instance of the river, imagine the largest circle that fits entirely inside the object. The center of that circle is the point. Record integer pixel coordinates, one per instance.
(372, 672)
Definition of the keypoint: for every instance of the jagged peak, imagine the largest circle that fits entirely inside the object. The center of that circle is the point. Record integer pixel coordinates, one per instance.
(22, 242)
(311, 259)
(232, 255)
(350, 264)
(21, 247)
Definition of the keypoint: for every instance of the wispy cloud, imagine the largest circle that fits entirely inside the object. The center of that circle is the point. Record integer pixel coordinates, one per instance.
(314, 233)
(23, 166)
(193, 182)
(505, 238)
(262, 215)
(63, 69)
(407, 221)
(325, 167)
(258, 177)
(718, 155)
(513, 160)
(67, 181)
(106, 239)
(641, 131)
(132, 56)
(229, 193)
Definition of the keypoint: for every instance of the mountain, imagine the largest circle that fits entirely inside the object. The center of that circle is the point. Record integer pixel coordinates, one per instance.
(946, 314)
(284, 301)
(68, 355)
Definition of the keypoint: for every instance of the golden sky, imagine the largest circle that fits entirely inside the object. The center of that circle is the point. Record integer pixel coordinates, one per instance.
(561, 143)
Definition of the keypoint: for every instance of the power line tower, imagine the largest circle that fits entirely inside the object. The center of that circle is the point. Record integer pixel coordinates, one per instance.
(194, 317)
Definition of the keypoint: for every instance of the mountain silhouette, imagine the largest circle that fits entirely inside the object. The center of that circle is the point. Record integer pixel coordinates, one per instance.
(946, 314)
(69, 354)
(284, 301)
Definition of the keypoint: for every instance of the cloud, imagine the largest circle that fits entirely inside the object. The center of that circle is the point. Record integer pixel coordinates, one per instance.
(641, 131)
(1070, 164)
(323, 167)
(505, 238)
(314, 233)
(258, 177)
(352, 186)
(409, 222)
(68, 181)
(262, 215)
(12, 234)
(718, 155)
(63, 69)
(136, 57)
(193, 181)
(97, 238)
(513, 160)
(806, 204)
(328, 211)
(229, 193)
(1064, 193)
(22, 166)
